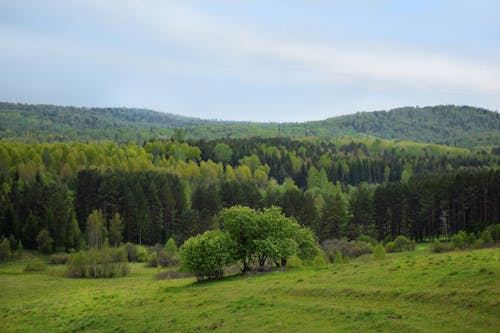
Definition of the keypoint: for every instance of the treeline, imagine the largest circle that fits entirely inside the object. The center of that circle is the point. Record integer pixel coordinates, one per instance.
(460, 126)
(163, 189)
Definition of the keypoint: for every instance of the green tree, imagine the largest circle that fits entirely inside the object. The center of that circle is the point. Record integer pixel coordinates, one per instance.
(44, 241)
(275, 237)
(115, 230)
(223, 153)
(242, 224)
(170, 248)
(207, 255)
(95, 229)
(5, 252)
(379, 252)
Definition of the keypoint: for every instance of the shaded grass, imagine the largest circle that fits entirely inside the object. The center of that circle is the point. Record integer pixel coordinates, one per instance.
(410, 291)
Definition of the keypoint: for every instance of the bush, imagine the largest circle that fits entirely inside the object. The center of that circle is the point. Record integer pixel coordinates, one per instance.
(367, 239)
(59, 259)
(438, 247)
(348, 249)
(97, 263)
(152, 260)
(400, 244)
(294, 261)
(207, 255)
(319, 260)
(485, 239)
(34, 266)
(459, 240)
(44, 241)
(379, 252)
(135, 253)
(495, 232)
(471, 240)
(141, 253)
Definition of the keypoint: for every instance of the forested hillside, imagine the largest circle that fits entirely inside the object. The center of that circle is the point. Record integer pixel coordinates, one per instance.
(53, 123)
(338, 188)
(460, 126)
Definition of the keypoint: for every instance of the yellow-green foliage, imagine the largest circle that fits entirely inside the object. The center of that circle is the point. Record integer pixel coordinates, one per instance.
(379, 252)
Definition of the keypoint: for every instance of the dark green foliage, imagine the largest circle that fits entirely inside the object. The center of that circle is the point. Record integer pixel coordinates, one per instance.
(206, 255)
(485, 239)
(5, 251)
(115, 230)
(44, 241)
(495, 232)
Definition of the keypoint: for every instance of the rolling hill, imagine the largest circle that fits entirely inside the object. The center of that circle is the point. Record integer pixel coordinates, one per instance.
(460, 126)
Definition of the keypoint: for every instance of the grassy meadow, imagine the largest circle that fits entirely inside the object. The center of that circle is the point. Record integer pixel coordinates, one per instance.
(414, 291)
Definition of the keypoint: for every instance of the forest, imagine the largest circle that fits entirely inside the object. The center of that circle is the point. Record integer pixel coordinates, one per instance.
(452, 125)
(340, 188)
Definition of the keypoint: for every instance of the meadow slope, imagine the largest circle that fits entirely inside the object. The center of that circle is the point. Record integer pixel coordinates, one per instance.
(407, 292)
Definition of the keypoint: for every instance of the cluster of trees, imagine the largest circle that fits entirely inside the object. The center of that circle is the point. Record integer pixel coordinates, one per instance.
(162, 189)
(249, 236)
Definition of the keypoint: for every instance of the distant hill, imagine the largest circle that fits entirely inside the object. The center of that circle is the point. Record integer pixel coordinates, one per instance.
(461, 126)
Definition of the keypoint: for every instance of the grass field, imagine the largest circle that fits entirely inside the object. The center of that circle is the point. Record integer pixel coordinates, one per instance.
(408, 292)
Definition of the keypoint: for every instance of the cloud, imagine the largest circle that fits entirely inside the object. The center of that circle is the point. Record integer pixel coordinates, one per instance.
(235, 48)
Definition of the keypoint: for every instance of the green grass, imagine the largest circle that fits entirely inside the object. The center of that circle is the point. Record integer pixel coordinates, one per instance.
(408, 292)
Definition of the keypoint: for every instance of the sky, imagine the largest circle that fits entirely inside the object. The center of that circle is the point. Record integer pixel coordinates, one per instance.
(264, 61)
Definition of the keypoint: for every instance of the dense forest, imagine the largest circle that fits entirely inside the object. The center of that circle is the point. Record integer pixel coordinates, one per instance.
(460, 126)
(340, 188)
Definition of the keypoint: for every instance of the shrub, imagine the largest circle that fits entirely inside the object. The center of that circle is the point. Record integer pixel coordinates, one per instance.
(59, 259)
(170, 248)
(152, 260)
(495, 232)
(97, 263)
(459, 240)
(141, 253)
(338, 257)
(348, 249)
(485, 238)
(136, 253)
(471, 240)
(207, 254)
(379, 252)
(439, 247)
(5, 252)
(319, 260)
(399, 244)
(34, 266)
(294, 261)
(367, 239)
(44, 241)
(131, 252)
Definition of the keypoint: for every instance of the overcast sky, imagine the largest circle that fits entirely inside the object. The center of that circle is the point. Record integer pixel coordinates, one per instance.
(251, 60)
